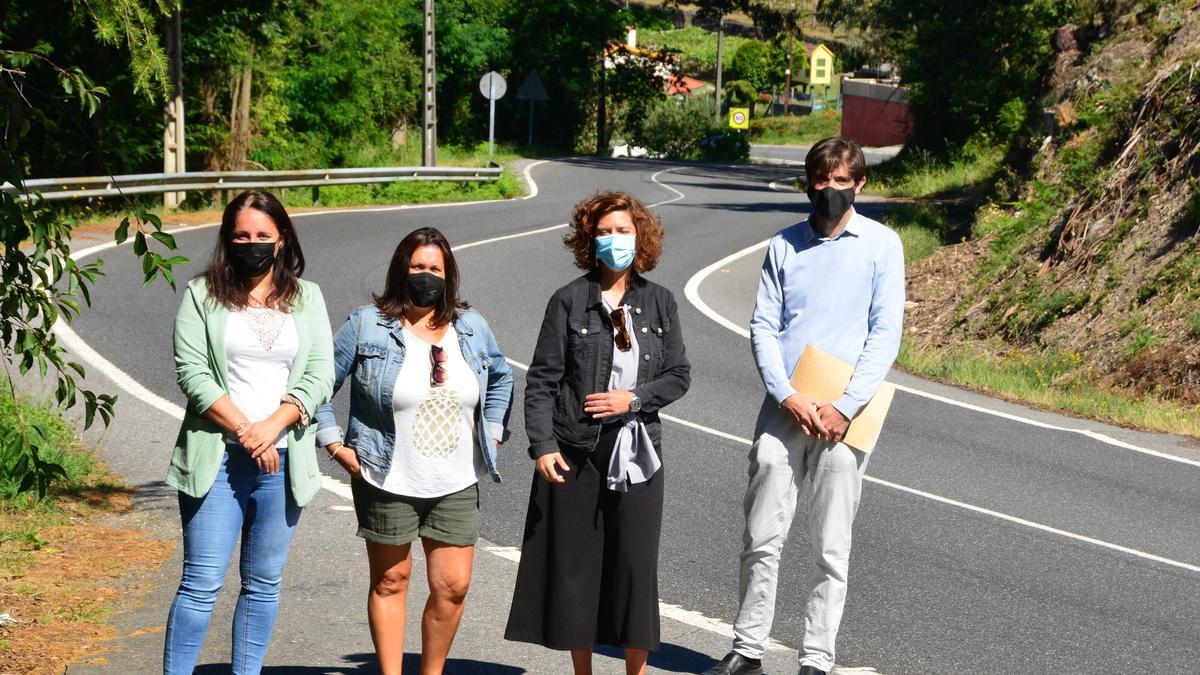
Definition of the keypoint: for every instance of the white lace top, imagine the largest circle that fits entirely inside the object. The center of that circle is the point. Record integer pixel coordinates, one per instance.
(260, 346)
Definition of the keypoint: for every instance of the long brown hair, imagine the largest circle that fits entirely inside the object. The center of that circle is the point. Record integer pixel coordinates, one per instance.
(225, 287)
(394, 300)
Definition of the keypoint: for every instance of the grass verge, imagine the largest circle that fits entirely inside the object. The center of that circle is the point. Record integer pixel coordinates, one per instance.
(65, 563)
(918, 174)
(1049, 381)
(795, 129)
(959, 184)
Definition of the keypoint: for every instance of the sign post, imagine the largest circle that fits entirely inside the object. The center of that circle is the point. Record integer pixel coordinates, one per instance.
(739, 118)
(532, 90)
(492, 86)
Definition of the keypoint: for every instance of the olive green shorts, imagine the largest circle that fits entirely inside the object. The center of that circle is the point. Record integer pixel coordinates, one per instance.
(386, 518)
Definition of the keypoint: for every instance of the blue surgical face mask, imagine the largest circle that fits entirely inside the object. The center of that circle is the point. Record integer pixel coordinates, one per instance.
(616, 251)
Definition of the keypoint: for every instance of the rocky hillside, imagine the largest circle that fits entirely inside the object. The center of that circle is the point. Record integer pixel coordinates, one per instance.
(1096, 268)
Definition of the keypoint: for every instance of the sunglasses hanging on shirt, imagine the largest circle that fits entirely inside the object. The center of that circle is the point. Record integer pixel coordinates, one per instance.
(621, 339)
(437, 372)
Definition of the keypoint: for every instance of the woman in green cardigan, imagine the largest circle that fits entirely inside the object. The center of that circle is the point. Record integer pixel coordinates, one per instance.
(254, 356)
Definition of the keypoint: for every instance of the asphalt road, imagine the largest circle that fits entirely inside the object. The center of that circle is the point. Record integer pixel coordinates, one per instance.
(991, 538)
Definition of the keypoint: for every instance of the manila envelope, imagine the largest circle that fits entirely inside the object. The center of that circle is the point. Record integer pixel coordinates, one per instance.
(823, 377)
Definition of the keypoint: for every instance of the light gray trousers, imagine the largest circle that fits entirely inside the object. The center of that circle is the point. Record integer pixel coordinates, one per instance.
(781, 460)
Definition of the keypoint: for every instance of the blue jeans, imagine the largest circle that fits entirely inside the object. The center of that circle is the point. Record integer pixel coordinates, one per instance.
(259, 506)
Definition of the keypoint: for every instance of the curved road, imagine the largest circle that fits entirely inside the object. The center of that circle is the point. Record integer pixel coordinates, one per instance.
(991, 538)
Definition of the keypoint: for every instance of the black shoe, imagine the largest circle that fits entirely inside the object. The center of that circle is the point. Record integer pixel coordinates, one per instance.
(811, 670)
(736, 664)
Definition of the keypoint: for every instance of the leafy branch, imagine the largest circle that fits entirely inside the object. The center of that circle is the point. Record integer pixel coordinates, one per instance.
(40, 283)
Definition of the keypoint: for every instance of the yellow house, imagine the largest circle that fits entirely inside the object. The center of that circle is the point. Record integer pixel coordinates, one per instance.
(820, 65)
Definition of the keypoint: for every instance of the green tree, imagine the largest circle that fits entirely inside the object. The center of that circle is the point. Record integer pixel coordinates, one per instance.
(568, 56)
(957, 91)
(349, 81)
(40, 284)
(755, 64)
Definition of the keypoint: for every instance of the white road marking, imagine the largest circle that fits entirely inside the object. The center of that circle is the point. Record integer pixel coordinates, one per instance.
(774, 185)
(692, 292)
(81, 349)
(654, 179)
(76, 345)
(948, 501)
(551, 228)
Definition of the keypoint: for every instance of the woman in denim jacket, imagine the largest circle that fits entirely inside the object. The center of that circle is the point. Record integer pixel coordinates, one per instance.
(430, 395)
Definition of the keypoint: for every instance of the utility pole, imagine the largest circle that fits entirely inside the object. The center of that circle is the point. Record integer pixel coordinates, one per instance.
(173, 142)
(787, 91)
(720, 61)
(429, 92)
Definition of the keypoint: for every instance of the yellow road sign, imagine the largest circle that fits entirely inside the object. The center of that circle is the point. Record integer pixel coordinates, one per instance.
(739, 118)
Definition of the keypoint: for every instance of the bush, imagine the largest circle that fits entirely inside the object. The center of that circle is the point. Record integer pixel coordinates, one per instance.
(673, 129)
(725, 145)
(59, 436)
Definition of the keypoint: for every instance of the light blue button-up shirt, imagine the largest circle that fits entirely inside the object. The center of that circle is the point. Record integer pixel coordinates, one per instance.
(844, 295)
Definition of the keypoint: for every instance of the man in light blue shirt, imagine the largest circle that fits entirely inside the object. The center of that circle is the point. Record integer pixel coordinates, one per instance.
(834, 281)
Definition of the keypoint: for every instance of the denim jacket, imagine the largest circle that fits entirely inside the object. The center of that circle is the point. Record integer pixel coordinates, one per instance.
(369, 347)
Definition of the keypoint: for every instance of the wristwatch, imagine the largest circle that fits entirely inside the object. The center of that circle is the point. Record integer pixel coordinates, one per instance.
(635, 404)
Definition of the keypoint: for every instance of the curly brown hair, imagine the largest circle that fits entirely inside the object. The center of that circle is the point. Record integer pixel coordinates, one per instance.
(581, 239)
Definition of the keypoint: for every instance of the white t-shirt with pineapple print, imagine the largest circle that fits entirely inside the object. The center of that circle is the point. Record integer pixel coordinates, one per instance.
(435, 425)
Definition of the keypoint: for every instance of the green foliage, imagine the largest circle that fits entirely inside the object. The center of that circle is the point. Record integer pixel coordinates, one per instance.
(40, 284)
(729, 146)
(795, 129)
(922, 228)
(919, 172)
(19, 419)
(345, 85)
(634, 83)
(1193, 323)
(674, 129)
(1179, 273)
(472, 39)
(562, 40)
(132, 24)
(1012, 232)
(410, 192)
(695, 47)
(964, 62)
(1139, 341)
(739, 93)
(1050, 379)
(1053, 306)
(755, 63)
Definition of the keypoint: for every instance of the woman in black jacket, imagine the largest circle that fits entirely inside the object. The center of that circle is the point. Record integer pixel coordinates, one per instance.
(610, 354)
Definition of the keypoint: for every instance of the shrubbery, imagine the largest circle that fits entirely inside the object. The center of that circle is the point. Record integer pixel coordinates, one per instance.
(673, 129)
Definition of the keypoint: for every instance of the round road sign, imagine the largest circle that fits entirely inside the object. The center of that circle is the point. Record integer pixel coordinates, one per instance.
(492, 85)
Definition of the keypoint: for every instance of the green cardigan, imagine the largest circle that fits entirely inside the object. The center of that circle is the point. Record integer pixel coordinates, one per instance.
(200, 369)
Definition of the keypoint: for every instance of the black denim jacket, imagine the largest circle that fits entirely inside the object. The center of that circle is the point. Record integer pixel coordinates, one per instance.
(574, 357)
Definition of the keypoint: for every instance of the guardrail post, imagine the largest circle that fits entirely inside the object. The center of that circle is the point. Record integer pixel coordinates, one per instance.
(316, 195)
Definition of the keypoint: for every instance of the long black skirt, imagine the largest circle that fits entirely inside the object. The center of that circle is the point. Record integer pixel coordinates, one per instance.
(589, 562)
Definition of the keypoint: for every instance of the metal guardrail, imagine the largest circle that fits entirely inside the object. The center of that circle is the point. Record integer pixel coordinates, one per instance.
(151, 183)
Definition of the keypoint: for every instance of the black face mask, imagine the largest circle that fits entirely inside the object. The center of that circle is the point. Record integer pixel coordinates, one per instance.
(831, 203)
(252, 260)
(425, 289)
